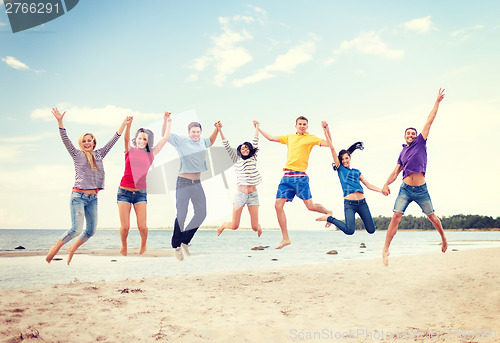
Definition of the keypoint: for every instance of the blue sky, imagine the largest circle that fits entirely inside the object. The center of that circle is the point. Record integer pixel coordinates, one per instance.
(370, 68)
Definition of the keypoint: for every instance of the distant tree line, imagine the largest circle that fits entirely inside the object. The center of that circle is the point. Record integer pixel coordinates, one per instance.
(455, 222)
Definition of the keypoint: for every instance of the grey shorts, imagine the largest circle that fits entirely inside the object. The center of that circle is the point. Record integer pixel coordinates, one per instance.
(249, 199)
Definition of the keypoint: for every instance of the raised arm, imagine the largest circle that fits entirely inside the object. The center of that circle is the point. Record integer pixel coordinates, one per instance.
(165, 130)
(328, 141)
(59, 117)
(370, 186)
(268, 136)
(432, 115)
(123, 125)
(256, 124)
(213, 136)
(218, 125)
(126, 136)
(391, 179)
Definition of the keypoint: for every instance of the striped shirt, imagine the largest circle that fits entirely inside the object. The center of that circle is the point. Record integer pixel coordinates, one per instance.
(246, 170)
(85, 176)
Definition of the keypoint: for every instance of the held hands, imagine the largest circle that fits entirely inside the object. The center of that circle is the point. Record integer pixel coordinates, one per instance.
(218, 125)
(256, 124)
(385, 190)
(128, 121)
(167, 116)
(324, 124)
(440, 95)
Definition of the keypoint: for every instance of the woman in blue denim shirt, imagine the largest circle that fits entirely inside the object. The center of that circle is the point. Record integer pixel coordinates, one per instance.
(89, 180)
(354, 199)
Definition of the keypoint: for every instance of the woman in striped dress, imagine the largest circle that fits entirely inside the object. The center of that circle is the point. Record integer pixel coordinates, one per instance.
(247, 179)
(89, 180)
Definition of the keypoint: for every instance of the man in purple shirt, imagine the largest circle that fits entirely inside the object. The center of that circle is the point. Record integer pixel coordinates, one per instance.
(413, 161)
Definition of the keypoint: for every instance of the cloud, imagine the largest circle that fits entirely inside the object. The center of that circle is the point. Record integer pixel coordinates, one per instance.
(419, 25)
(15, 63)
(226, 55)
(109, 116)
(285, 63)
(462, 34)
(370, 43)
(26, 139)
(9, 153)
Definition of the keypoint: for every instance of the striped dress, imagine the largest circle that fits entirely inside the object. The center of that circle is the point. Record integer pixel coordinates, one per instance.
(246, 170)
(85, 176)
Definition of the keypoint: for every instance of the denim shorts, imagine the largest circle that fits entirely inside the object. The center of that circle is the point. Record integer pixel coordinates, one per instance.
(291, 186)
(132, 197)
(419, 194)
(242, 199)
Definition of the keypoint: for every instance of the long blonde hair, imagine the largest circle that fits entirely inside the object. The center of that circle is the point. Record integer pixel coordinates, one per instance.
(90, 155)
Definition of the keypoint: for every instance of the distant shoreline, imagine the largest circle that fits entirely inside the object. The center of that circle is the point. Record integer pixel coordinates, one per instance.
(214, 228)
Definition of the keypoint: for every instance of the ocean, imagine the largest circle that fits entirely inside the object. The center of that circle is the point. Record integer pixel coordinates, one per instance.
(228, 252)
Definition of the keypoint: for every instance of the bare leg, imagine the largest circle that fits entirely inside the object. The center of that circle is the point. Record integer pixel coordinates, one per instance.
(280, 213)
(391, 232)
(316, 207)
(53, 251)
(235, 223)
(71, 250)
(141, 214)
(437, 224)
(254, 219)
(124, 211)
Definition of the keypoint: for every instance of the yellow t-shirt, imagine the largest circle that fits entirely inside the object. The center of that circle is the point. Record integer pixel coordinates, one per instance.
(299, 147)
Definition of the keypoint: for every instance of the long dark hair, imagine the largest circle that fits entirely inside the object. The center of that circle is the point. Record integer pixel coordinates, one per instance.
(151, 138)
(250, 147)
(350, 150)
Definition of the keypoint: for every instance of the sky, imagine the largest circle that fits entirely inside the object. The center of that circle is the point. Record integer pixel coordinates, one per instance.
(369, 68)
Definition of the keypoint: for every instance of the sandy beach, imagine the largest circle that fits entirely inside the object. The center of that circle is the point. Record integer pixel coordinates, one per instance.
(452, 297)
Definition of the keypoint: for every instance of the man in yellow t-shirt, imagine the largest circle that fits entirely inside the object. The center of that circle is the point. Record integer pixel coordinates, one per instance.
(295, 181)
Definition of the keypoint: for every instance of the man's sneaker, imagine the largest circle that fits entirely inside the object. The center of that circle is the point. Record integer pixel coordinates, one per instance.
(185, 247)
(178, 254)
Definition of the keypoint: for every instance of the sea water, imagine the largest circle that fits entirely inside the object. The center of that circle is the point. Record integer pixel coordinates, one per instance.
(228, 252)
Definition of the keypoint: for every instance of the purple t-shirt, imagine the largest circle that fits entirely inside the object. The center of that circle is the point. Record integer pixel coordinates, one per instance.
(413, 158)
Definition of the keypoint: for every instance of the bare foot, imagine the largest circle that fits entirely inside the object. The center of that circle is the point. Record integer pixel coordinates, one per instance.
(220, 229)
(322, 218)
(284, 243)
(444, 245)
(71, 252)
(385, 257)
(143, 249)
(259, 232)
(123, 250)
(51, 254)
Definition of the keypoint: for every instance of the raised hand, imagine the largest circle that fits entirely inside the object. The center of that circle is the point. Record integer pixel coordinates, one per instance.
(256, 124)
(440, 95)
(57, 114)
(167, 115)
(128, 120)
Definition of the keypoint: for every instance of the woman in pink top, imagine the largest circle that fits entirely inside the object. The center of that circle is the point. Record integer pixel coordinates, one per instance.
(132, 191)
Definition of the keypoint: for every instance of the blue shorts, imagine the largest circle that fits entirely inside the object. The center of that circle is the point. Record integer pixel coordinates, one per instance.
(132, 197)
(242, 199)
(294, 184)
(419, 194)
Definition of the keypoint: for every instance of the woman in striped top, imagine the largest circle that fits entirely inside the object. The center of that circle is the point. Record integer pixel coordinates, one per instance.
(247, 179)
(89, 179)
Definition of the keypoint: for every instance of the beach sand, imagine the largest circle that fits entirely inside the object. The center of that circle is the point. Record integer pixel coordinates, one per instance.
(436, 298)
